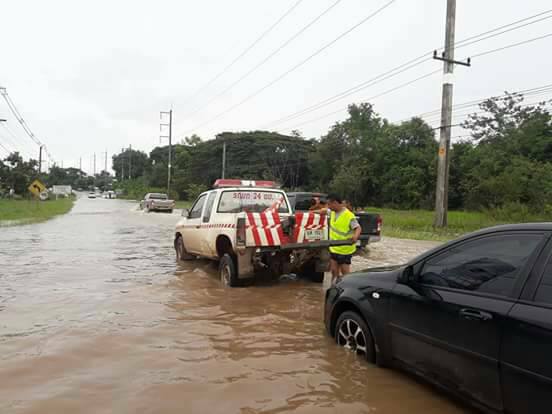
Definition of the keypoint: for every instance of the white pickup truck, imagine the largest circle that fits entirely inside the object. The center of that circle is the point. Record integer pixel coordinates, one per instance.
(249, 227)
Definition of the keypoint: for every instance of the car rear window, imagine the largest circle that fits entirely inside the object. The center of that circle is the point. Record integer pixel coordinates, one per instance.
(252, 201)
(158, 196)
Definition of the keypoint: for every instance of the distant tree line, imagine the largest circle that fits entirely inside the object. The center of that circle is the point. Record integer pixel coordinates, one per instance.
(506, 159)
(17, 174)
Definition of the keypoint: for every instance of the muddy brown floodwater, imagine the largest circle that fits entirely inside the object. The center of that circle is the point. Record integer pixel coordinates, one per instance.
(96, 317)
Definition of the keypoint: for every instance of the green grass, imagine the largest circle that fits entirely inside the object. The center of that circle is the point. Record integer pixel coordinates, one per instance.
(13, 212)
(418, 224)
(183, 204)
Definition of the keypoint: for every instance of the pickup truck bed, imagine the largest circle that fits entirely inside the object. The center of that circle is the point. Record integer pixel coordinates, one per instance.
(370, 223)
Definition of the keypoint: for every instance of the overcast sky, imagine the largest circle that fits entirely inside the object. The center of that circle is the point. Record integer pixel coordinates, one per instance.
(93, 76)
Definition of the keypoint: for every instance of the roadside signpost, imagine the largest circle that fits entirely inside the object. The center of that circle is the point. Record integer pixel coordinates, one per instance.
(38, 190)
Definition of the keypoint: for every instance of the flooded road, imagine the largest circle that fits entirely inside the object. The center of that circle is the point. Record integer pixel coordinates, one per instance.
(96, 317)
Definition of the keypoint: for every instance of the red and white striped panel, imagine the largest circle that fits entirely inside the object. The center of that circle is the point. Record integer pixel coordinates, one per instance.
(309, 221)
(265, 229)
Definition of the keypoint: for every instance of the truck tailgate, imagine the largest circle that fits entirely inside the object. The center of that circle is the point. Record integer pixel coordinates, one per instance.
(370, 223)
(271, 229)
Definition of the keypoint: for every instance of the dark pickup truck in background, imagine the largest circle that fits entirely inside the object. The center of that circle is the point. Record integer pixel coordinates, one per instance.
(371, 223)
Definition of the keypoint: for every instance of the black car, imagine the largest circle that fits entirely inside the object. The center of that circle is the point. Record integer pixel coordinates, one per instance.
(473, 316)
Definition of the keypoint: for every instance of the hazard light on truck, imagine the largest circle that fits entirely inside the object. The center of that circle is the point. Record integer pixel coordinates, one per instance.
(224, 183)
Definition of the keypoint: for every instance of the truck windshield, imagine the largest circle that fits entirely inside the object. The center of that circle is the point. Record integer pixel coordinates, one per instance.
(252, 201)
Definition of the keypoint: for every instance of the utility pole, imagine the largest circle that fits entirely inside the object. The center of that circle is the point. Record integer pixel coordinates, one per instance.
(122, 164)
(40, 159)
(223, 158)
(105, 167)
(130, 162)
(441, 193)
(94, 164)
(169, 166)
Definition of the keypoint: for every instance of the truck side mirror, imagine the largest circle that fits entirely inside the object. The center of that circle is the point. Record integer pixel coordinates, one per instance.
(185, 212)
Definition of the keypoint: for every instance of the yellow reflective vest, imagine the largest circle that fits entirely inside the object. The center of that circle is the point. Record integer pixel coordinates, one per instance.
(340, 229)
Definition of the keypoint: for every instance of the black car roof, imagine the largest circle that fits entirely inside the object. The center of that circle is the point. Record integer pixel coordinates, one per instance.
(544, 226)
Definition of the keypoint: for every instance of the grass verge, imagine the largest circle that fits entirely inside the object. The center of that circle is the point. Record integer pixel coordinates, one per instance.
(418, 224)
(14, 212)
(183, 204)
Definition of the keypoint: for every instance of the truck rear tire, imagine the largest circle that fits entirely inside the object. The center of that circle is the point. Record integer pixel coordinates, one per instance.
(228, 271)
(309, 271)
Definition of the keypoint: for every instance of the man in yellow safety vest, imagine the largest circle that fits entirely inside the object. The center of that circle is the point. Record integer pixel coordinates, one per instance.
(343, 226)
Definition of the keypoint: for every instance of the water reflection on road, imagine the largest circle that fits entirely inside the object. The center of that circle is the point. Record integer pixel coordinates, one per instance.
(96, 317)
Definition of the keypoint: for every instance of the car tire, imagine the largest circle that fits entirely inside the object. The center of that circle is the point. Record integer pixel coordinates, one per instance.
(309, 271)
(352, 332)
(170, 211)
(181, 252)
(228, 272)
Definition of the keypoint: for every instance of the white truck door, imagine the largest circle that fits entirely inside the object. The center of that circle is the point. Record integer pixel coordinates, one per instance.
(192, 230)
(207, 239)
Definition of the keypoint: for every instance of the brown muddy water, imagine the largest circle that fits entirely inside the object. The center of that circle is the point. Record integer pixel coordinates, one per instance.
(96, 317)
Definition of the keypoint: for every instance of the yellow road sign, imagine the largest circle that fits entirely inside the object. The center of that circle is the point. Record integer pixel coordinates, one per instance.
(37, 187)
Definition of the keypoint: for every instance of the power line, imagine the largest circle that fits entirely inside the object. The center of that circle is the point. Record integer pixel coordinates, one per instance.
(512, 45)
(407, 66)
(5, 149)
(24, 149)
(429, 74)
(295, 67)
(22, 122)
(403, 85)
(526, 92)
(374, 81)
(464, 117)
(246, 50)
(457, 44)
(267, 58)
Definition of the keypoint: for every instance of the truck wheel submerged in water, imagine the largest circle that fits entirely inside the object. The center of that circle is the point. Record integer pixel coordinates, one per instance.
(228, 271)
(309, 271)
(181, 252)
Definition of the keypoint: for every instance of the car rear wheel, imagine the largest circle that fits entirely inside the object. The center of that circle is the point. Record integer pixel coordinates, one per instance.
(228, 271)
(181, 252)
(352, 333)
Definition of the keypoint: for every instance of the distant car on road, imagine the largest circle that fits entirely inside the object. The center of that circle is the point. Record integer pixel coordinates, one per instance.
(157, 202)
(91, 195)
(473, 316)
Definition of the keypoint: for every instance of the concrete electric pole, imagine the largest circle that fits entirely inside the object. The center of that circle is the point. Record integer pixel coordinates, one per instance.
(94, 164)
(169, 166)
(40, 159)
(441, 193)
(223, 158)
(130, 162)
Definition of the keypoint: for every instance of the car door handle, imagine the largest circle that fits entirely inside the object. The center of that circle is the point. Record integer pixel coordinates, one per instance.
(472, 314)
(198, 226)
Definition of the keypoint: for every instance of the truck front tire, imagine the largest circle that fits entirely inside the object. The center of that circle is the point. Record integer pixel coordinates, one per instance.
(181, 252)
(228, 271)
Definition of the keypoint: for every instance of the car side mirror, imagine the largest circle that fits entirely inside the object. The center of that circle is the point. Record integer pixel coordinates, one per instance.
(407, 277)
(185, 212)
